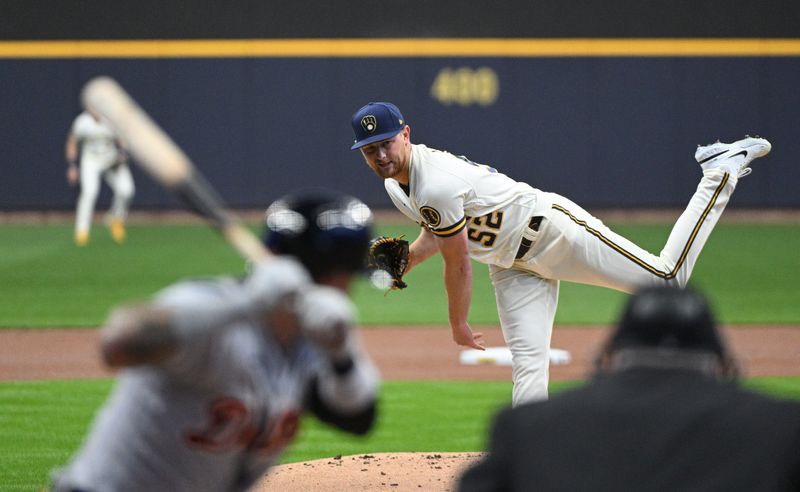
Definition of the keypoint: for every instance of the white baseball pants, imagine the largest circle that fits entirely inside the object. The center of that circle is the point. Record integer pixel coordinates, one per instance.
(573, 245)
(118, 178)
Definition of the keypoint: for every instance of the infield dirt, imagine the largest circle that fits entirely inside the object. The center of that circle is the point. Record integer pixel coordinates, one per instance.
(401, 353)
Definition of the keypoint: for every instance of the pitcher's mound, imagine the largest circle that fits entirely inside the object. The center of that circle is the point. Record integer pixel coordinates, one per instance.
(371, 472)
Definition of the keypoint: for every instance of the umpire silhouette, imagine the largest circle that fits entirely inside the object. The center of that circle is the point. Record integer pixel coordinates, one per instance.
(663, 412)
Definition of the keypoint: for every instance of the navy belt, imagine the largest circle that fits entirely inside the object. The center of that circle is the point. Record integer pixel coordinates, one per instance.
(526, 243)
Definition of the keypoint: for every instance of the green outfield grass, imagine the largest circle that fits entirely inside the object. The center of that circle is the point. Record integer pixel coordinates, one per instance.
(48, 282)
(748, 270)
(43, 422)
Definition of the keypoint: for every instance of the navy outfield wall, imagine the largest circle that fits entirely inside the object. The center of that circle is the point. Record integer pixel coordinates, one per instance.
(601, 101)
(605, 131)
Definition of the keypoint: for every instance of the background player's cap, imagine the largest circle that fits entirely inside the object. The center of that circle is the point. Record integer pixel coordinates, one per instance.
(375, 122)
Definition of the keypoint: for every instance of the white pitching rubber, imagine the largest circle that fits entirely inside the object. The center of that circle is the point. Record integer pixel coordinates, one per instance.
(501, 356)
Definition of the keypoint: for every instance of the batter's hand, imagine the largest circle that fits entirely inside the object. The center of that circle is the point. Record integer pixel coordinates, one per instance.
(326, 317)
(271, 282)
(463, 335)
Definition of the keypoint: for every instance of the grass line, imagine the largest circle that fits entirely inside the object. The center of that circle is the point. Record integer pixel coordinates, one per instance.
(43, 422)
(50, 282)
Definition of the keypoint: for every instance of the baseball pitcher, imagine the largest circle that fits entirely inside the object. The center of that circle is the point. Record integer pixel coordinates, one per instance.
(531, 239)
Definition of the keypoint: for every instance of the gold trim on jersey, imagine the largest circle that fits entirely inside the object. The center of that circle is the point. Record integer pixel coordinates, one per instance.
(619, 249)
(452, 230)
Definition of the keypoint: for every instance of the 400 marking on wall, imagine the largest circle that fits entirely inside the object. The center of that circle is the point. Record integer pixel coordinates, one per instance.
(466, 86)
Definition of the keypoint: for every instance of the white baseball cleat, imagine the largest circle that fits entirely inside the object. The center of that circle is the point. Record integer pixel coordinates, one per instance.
(733, 158)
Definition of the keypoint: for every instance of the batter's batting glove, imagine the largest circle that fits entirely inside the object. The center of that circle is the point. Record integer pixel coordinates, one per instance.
(273, 281)
(326, 318)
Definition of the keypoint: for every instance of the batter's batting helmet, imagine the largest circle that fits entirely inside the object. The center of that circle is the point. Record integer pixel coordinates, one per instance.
(326, 230)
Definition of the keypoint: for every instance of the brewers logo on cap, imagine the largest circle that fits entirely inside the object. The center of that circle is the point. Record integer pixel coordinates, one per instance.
(369, 123)
(375, 122)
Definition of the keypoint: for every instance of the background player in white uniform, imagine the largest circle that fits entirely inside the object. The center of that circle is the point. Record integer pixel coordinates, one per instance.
(217, 372)
(530, 239)
(101, 154)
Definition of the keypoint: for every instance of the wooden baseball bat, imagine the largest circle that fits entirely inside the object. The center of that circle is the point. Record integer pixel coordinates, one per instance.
(164, 161)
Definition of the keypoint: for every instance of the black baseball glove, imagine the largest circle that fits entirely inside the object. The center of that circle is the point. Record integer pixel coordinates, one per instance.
(391, 255)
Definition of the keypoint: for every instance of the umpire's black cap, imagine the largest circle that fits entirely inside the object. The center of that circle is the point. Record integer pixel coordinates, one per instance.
(668, 317)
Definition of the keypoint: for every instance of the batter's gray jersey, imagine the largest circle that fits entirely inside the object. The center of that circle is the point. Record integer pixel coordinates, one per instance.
(213, 418)
(448, 193)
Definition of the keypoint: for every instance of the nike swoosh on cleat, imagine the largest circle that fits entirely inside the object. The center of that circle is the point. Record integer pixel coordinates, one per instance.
(713, 156)
(744, 152)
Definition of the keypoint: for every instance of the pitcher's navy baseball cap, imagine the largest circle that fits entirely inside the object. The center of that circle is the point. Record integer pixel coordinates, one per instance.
(375, 122)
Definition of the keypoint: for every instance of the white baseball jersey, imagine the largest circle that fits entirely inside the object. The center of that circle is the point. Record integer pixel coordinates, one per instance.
(96, 138)
(213, 418)
(448, 193)
(99, 155)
